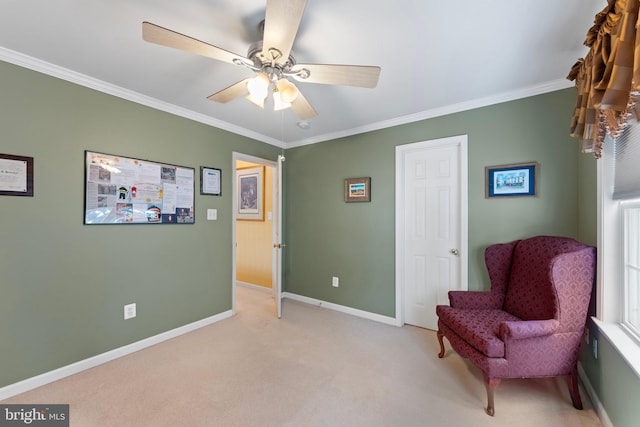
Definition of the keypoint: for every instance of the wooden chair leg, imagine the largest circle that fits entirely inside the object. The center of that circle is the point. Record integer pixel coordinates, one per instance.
(491, 385)
(574, 391)
(440, 335)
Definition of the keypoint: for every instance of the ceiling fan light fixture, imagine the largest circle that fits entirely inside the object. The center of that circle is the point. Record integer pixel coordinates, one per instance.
(278, 102)
(288, 91)
(258, 88)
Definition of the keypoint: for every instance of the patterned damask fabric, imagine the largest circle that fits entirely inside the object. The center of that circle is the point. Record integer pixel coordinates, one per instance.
(498, 259)
(548, 356)
(476, 299)
(574, 276)
(548, 282)
(522, 329)
(480, 328)
(531, 295)
(491, 367)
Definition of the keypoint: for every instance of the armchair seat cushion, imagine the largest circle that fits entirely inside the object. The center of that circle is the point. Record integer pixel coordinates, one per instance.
(478, 327)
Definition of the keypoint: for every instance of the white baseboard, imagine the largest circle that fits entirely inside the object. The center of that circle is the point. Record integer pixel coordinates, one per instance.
(254, 287)
(341, 308)
(82, 365)
(597, 404)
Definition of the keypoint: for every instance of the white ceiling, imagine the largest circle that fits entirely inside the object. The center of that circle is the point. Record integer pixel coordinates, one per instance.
(436, 56)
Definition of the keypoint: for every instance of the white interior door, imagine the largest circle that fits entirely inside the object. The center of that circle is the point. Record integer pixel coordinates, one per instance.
(431, 226)
(278, 245)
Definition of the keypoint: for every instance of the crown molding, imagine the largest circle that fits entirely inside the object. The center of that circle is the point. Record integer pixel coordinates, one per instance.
(38, 65)
(53, 70)
(551, 86)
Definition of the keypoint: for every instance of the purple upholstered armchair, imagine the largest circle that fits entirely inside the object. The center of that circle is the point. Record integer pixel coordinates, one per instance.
(531, 321)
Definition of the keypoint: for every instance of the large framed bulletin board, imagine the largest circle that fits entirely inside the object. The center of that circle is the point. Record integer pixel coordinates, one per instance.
(124, 190)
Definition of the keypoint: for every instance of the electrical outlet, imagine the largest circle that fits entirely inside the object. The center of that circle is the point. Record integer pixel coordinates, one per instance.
(129, 311)
(335, 282)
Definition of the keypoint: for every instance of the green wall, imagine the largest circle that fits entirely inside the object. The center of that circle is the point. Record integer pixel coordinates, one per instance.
(63, 285)
(327, 237)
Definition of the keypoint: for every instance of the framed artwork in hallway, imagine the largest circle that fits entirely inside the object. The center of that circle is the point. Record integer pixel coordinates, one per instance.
(250, 187)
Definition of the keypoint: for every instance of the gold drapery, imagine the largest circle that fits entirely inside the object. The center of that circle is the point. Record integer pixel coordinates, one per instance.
(608, 78)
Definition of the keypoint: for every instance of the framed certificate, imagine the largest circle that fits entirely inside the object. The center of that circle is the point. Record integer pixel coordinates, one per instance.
(16, 175)
(210, 181)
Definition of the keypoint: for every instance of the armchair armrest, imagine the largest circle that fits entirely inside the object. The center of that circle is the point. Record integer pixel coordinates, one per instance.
(527, 329)
(476, 300)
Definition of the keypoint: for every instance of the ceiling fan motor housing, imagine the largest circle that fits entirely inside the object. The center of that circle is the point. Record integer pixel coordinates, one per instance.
(269, 66)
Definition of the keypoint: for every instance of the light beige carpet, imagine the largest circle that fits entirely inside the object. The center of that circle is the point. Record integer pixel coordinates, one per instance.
(313, 367)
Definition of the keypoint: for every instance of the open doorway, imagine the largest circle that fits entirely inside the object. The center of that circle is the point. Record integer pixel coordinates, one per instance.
(255, 210)
(254, 231)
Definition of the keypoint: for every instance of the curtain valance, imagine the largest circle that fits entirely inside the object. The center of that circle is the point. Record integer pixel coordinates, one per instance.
(608, 77)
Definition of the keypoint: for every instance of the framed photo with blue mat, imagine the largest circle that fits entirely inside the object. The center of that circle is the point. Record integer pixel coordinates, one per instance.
(515, 180)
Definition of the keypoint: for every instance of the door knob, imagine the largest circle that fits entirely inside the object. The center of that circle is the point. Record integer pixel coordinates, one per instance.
(454, 251)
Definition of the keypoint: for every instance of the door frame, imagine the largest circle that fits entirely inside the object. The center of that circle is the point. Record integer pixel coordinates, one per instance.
(234, 197)
(461, 142)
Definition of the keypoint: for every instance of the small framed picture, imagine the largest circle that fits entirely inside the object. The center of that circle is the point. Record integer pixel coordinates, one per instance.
(357, 190)
(515, 180)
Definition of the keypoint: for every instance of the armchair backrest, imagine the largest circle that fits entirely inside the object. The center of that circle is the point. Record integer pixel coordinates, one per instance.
(550, 278)
(498, 258)
(544, 277)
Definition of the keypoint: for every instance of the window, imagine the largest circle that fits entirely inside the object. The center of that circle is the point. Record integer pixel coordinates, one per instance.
(618, 290)
(626, 190)
(631, 266)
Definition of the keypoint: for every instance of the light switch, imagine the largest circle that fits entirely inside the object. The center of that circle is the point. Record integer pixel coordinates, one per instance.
(212, 214)
(129, 311)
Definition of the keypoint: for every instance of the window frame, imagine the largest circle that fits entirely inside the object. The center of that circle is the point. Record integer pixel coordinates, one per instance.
(630, 328)
(610, 277)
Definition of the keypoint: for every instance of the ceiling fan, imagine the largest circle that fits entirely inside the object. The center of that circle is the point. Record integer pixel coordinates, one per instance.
(272, 60)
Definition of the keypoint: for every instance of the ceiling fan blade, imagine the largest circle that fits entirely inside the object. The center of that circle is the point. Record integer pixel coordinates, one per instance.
(281, 23)
(303, 109)
(346, 75)
(232, 92)
(159, 35)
